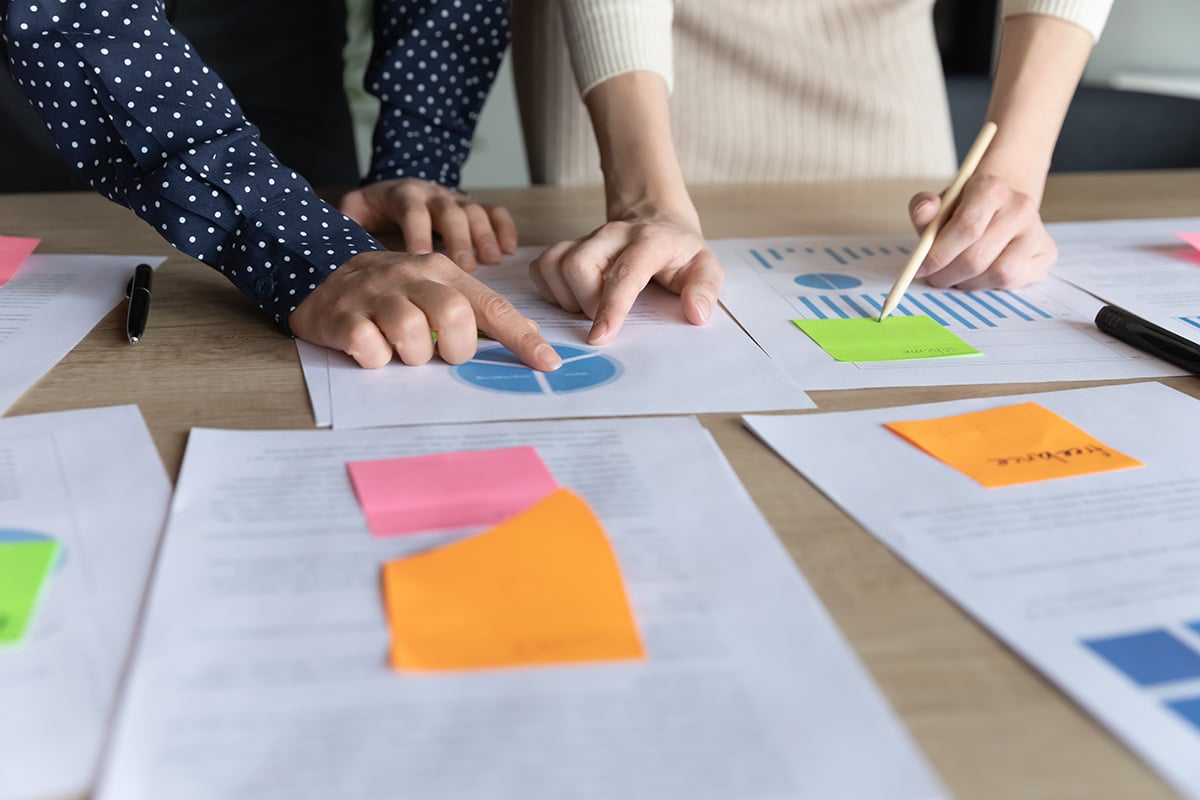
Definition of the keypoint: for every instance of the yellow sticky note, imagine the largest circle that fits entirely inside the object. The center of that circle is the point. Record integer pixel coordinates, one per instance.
(542, 587)
(1012, 445)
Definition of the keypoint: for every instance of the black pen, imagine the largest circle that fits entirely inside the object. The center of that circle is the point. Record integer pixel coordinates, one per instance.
(1149, 338)
(138, 292)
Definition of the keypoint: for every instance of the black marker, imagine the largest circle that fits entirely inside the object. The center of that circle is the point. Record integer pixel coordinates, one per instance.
(1149, 338)
(138, 292)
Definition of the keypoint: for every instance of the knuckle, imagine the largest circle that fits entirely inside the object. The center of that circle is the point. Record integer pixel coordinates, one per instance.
(972, 222)
(360, 336)
(456, 311)
(494, 307)
(1024, 204)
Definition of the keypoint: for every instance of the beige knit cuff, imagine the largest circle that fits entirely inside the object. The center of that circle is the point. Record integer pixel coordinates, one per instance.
(609, 37)
(1087, 14)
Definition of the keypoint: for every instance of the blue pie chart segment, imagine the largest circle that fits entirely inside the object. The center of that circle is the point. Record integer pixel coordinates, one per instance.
(14, 535)
(496, 369)
(828, 280)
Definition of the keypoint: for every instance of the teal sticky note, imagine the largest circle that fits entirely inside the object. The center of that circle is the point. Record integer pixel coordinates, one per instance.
(895, 339)
(24, 569)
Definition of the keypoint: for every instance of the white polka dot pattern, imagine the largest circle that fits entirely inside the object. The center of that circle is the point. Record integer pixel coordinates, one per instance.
(432, 67)
(131, 105)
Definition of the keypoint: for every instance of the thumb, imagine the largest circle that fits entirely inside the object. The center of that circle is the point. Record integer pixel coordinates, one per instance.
(923, 208)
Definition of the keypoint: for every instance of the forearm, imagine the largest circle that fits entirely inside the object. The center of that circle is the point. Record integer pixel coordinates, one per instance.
(432, 84)
(1041, 61)
(163, 136)
(632, 122)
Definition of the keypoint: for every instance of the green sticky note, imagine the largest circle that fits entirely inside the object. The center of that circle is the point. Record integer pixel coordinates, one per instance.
(894, 339)
(24, 567)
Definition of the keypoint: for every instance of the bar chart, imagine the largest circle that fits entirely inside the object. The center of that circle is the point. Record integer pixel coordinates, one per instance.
(1163, 662)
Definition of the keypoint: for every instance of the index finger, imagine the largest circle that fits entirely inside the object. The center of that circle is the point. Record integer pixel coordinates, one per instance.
(980, 201)
(500, 320)
(623, 282)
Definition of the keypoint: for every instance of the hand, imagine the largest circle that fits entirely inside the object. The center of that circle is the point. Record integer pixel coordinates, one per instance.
(380, 302)
(995, 238)
(603, 273)
(419, 208)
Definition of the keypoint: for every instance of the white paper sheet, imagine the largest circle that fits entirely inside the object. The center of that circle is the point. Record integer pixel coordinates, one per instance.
(1041, 333)
(48, 306)
(1050, 567)
(314, 361)
(92, 480)
(262, 669)
(1141, 265)
(659, 364)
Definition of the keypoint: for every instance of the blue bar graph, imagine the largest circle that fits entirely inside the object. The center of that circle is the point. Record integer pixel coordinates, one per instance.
(1193, 321)
(1148, 658)
(775, 254)
(761, 259)
(835, 255)
(952, 308)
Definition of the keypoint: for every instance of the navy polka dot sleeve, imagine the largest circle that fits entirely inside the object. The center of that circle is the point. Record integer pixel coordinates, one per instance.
(432, 67)
(152, 128)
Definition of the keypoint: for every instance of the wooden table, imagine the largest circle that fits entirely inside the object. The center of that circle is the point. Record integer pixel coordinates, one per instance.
(990, 724)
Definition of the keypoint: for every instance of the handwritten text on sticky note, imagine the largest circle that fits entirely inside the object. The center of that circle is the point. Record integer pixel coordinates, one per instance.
(543, 587)
(24, 568)
(13, 252)
(894, 339)
(449, 490)
(1012, 445)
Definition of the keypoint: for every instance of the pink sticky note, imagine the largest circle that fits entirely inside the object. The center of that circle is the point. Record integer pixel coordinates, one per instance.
(449, 490)
(13, 251)
(1191, 238)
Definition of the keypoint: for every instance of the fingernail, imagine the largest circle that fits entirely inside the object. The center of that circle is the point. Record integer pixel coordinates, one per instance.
(548, 357)
(920, 207)
(705, 309)
(599, 333)
(464, 257)
(490, 254)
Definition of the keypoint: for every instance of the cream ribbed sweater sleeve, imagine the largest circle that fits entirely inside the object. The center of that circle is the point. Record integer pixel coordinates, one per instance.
(608, 37)
(1087, 14)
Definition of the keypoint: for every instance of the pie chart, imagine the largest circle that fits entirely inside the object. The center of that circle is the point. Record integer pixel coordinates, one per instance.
(496, 369)
(828, 280)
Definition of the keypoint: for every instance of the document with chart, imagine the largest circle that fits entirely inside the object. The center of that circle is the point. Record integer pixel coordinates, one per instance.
(1095, 579)
(1143, 266)
(48, 306)
(263, 670)
(659, 364)
(87, 488)
(1041, 333)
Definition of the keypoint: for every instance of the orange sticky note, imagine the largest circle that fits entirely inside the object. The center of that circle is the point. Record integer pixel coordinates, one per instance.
(542, 587)
(13, 252)
(1012, 445)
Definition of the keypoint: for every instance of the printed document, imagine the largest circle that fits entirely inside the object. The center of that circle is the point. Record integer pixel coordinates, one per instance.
(92, 482)
(48, 306)
(1142, 266)
(1043, 332)
(658, 364)
(1094, 579)
(263, 667)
